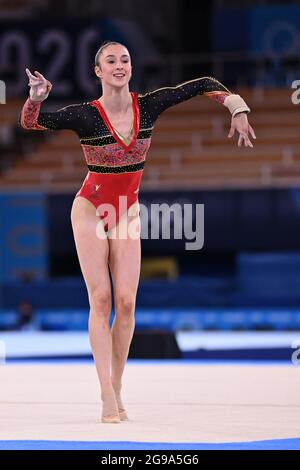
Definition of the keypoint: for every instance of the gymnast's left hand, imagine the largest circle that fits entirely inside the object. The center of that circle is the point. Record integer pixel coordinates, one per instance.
(240, 124)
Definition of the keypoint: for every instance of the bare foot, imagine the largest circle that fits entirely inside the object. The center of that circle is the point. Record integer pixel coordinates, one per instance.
(121, 407)
(110, 413)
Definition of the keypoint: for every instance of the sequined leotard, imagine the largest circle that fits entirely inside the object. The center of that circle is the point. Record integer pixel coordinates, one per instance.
(115, 167)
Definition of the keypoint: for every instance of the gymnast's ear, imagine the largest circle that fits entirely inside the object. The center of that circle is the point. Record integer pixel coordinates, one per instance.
(98, 71)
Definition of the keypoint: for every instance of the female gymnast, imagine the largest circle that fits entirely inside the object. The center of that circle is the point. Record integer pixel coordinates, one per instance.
(115, 133)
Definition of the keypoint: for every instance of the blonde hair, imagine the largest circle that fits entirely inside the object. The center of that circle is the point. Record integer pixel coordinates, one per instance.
(103, 46)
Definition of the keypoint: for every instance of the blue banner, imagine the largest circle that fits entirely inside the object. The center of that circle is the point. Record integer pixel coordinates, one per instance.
(23, 237)
(275, 30)
(267, 31)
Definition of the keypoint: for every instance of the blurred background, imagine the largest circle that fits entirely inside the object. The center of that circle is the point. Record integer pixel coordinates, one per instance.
(238, 297)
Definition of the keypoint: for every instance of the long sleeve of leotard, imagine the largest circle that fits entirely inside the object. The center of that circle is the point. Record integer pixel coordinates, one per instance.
(161, 99)
(31, 117)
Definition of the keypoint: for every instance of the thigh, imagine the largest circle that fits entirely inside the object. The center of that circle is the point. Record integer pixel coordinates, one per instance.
(125, 252)
(91, 245)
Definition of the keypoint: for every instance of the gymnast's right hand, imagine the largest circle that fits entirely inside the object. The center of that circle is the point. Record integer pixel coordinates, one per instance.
(39, 86)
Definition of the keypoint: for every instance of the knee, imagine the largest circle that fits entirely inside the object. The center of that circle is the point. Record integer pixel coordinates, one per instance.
(125, 304)
(100, 302)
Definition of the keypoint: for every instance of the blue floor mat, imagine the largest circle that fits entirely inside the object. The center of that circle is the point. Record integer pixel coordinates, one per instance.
(274, 444)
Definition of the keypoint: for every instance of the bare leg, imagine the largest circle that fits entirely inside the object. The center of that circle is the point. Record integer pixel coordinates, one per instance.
(124, 261)
(93, 257)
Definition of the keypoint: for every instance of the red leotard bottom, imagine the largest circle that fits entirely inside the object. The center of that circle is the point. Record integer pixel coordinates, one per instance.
(111, 193)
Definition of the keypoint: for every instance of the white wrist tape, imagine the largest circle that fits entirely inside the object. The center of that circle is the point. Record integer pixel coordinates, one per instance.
(236, 104)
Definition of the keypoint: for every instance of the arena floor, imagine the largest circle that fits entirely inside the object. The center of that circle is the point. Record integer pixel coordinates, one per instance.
(171, 404)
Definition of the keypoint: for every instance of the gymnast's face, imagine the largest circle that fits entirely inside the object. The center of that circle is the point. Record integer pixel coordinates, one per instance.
(114, 66)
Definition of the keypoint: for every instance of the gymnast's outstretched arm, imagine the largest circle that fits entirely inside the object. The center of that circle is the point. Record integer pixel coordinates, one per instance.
(161, 99)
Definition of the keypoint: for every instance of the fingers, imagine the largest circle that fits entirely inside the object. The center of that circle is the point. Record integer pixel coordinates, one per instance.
(241, 125)
(30, 76)
(231, 132)
(28, 72)
(251, 130)
(243, 137)
(40, 76)
(37, 79)
(248, 143)
(37, 74)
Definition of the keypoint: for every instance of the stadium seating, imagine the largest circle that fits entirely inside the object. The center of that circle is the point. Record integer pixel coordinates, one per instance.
(190, 149)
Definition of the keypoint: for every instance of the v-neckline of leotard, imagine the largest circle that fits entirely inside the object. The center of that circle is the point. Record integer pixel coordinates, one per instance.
(136, 121)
